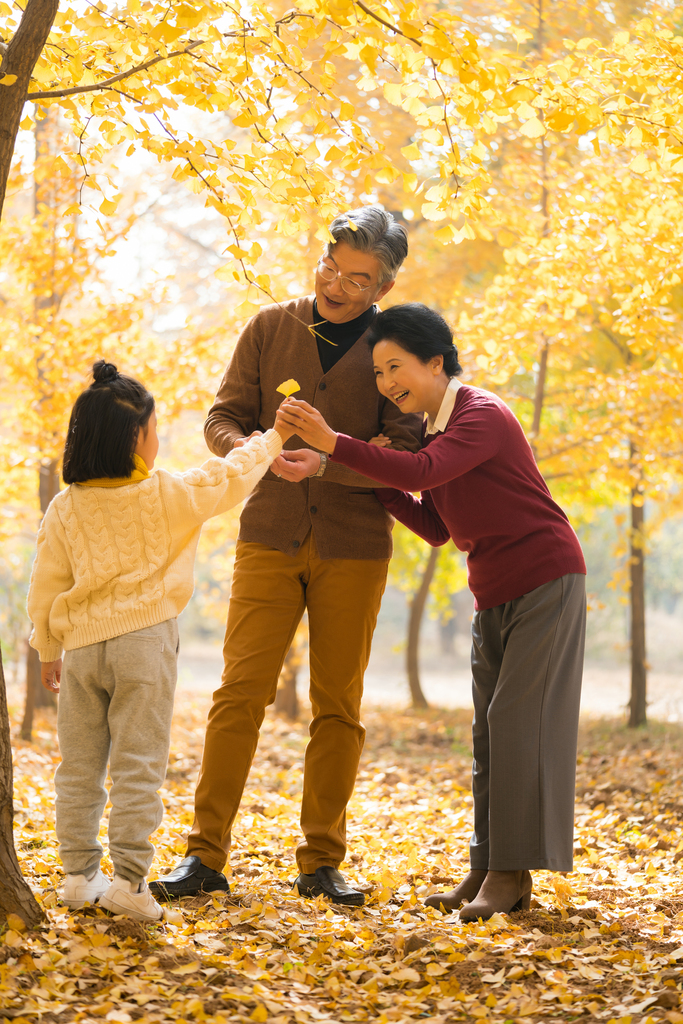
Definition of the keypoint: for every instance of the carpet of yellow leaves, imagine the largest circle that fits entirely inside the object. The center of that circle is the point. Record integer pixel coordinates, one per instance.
(605, 943)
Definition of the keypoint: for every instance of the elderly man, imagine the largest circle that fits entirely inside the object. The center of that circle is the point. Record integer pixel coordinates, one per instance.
(312, 536)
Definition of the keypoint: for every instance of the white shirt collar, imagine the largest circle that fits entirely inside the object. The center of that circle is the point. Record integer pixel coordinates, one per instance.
(439, 424)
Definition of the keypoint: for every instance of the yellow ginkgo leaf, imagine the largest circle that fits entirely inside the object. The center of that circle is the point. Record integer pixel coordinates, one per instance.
(289, 387)
(533, 128)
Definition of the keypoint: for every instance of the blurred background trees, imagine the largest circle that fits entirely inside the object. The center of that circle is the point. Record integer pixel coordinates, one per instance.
(175, 167)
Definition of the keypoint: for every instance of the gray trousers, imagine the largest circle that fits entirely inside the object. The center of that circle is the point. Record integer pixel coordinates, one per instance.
(115, 705)
(527, 665)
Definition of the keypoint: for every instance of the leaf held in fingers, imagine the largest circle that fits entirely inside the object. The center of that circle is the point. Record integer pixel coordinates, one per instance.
(289, 387)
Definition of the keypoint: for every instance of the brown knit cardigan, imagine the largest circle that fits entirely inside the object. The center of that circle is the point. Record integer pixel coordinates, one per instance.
(347, 519)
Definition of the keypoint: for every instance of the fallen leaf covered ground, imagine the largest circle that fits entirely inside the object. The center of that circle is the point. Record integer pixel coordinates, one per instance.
(604, 943)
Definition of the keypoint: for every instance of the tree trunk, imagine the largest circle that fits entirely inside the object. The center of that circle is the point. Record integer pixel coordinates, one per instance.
(15, 895)
(48, 488)
(638, 701)
(417, 607)
(21, 56)
(286, 699)
(36, 694)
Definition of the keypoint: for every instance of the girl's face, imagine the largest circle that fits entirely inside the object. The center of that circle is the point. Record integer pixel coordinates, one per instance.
(412, 385)
(147, 446)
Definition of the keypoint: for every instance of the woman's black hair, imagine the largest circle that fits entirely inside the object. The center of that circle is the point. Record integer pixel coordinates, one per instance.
(419, 330)
(104, 424)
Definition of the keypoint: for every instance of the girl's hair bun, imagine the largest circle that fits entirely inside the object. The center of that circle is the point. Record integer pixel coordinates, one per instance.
(104, 373)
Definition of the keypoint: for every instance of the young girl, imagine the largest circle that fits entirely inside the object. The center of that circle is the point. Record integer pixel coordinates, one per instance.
(114, 568)
(480, 486)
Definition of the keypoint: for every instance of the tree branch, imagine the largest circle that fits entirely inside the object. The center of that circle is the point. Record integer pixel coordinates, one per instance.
(387, 24)
(108, 82)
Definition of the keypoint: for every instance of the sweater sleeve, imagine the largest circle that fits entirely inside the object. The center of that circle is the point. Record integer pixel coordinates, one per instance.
(237, 407)
(51, 576)
(404, 432)
(418, 514)
(220, 484)
(474, 438)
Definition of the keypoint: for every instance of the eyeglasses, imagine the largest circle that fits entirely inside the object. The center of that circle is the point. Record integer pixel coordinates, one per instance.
(349, 286)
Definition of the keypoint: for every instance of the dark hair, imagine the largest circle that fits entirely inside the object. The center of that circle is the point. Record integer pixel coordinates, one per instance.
(374, 232)
(419, 330)
(104, 425)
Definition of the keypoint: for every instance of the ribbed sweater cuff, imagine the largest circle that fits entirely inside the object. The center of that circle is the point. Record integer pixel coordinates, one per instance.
(273, 443)
(49, 653)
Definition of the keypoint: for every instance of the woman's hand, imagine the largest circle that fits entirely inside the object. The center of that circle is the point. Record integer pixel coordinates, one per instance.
(51, 675)
(381, 441)
(304, 420)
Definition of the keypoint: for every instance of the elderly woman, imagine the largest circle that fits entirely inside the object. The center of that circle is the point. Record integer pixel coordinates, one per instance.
(479, 486)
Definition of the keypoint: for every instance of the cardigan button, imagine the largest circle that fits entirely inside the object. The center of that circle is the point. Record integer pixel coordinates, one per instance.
(314, 509)
(295, 543)
(322, 385)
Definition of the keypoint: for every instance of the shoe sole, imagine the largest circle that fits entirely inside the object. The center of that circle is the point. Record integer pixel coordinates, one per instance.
(164, 892)
(312, 894)
(79, 904)
(128, 912)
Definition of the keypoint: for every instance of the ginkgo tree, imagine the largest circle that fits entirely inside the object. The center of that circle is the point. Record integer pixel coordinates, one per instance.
(272, 118)
(57, 314)
(266, 112)
(604, 295)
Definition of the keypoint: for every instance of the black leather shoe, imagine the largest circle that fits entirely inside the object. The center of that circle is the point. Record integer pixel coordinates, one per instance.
(189, 879)
(328, 882)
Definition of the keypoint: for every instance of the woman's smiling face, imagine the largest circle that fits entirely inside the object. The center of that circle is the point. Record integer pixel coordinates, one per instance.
(412, 385)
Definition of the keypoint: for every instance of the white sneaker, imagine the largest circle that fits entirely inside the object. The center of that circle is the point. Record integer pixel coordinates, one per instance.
(121, 898)
(78, 890)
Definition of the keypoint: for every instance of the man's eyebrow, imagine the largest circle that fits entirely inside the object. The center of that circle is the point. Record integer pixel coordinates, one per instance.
(351, 273)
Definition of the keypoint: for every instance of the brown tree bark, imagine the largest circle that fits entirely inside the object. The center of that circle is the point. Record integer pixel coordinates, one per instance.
(46, 298)
(21, 56)
(638, 701)
(286, 699)
(15, 895)
(417, 607)
(36, 694)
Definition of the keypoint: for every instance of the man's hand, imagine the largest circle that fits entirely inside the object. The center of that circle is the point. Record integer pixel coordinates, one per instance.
(308, 423)
(382, 441)
(51, 675)
(296, 466)
(241, 441)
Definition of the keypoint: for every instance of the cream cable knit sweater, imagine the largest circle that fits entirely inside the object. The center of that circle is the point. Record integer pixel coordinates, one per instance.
(113, 560)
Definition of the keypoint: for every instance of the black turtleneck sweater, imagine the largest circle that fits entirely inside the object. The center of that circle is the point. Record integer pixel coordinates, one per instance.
(335, 340)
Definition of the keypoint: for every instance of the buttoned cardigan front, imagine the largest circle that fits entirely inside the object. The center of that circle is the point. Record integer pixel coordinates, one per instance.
(347, 519)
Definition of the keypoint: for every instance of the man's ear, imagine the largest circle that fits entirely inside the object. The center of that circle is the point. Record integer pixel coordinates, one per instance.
(384, 289)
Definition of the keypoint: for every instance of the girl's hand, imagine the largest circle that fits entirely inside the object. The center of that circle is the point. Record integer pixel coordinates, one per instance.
(381, 441)
(307, 423)
(51, 675)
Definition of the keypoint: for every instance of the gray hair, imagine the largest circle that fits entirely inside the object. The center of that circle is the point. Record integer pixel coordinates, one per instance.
(376, 233)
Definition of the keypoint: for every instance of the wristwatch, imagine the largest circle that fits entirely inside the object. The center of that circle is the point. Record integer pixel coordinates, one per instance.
(323, 464)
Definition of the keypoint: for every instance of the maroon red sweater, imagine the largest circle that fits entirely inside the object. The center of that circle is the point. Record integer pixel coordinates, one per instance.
(480, 486)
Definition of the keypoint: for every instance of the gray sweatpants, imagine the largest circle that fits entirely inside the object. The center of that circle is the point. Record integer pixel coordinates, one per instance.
(527, 666)
(115, 705)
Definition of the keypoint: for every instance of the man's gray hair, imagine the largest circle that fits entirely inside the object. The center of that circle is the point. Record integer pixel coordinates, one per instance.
(374, 232)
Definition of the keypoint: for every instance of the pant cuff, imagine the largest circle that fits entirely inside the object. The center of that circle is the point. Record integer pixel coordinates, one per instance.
(207, 860)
